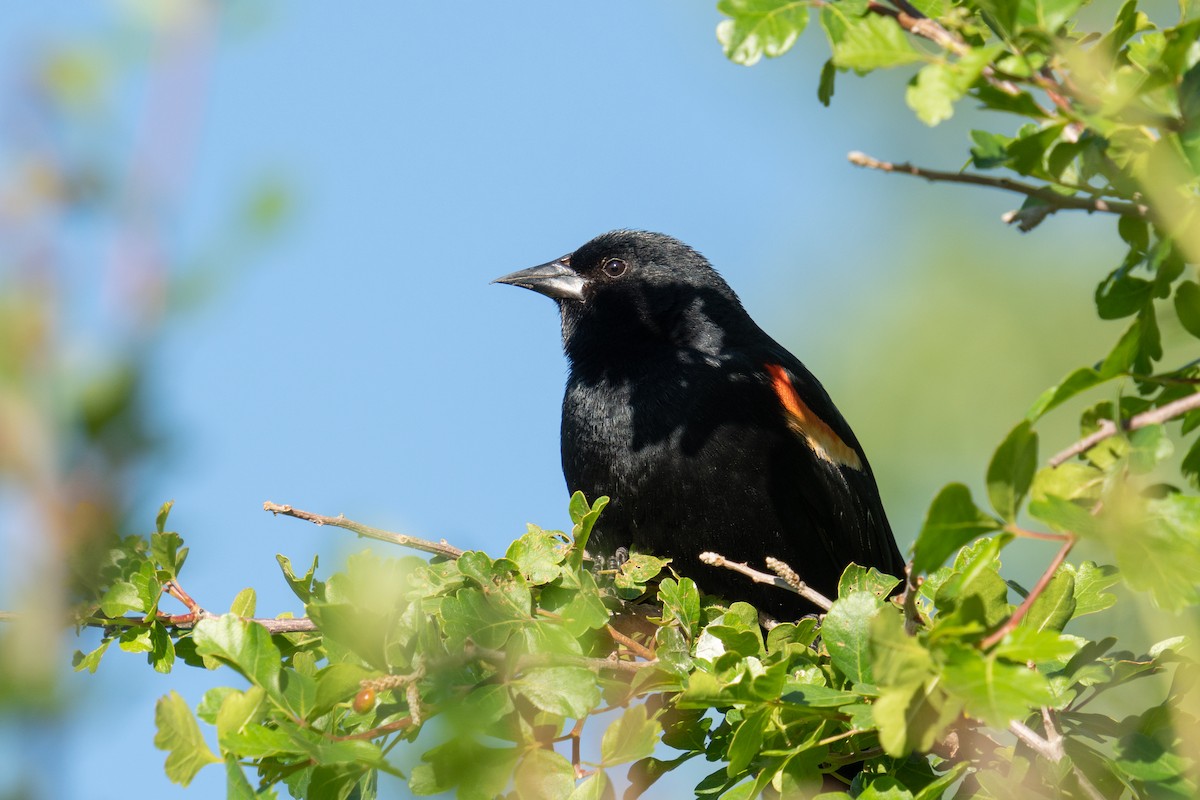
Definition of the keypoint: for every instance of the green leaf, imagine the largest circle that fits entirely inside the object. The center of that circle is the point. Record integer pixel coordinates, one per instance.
(180, 736)
(537, 554)
(866, 43)
(630, 737)
(932, 93)
(168, 552)
(120, 598)
(305, 588)
(631, 579)
(1190, 466)
(758, 28)
(544, 775)
(990, 150)
(462, 763)
(953, 521)
(1001, 13)
(566, 691)
(992, 690)
(245, 646)
(1146, 758)
(1054, 607)
(681, 601)
(747, 741)
(1025, 644)
(1078, 381)
(584, 519)
(1090, 582)
(1187, 306)
(883, 787)
(1162, 554)
(898, 659)
(1121, 295)
(1124, 353)
(243, 605)
(862, 579)
(912, 717)
(938, 86)
(846, 632)
(164, 511)
(92, 660)
(826, 84)
(1011, 470)
(238, 711)
(596, 787)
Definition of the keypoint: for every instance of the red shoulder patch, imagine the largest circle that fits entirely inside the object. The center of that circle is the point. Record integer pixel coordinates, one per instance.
(821, 439)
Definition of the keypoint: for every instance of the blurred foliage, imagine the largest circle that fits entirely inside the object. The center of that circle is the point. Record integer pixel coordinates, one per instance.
(89, 265)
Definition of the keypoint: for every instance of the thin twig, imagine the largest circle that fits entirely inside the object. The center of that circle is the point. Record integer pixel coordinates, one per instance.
(1025, 533)
(1108, 428)
(441, 548)
(1045, 194)
(273, 626)
(805, 591)
(1033, 595)
(535, 660)
(637, 647)
(382, 730)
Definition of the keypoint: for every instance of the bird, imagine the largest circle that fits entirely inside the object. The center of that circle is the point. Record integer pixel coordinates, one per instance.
(705, 433)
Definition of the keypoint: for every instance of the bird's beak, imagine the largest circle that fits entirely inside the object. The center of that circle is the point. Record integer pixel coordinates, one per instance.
(555, 279)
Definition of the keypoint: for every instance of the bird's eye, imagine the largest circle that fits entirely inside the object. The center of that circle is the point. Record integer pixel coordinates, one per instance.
(614, 267)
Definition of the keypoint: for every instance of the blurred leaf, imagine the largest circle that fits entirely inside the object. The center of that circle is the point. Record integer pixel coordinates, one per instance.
(630, 737)
(992, 690)
(179, 735)
(866, 43)
(567, 691)
(826, 85)
(544, 775)
(758, 28)
(1187, 306)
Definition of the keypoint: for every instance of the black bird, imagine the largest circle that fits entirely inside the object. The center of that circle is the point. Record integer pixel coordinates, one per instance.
(704, 431)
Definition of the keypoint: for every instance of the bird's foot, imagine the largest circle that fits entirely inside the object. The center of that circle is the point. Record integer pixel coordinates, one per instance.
(618, 559)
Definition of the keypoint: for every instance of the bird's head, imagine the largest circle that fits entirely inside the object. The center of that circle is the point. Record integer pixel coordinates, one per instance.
(632, 291)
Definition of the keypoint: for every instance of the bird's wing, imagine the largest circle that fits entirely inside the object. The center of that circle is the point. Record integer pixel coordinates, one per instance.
(843, 500)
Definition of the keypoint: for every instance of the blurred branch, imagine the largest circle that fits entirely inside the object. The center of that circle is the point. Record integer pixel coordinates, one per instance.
(1053, 199)
(800, 588)
(273, 626)
(440, 548)
(1109, 428)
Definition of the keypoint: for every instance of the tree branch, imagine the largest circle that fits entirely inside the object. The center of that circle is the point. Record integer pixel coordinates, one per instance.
(273, 626)
(1034, 594)
(1053, 199)
(802, 589)
(1108, 428)
(440, 548)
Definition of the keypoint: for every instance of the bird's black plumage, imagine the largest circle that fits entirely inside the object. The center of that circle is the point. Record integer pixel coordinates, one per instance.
(704, 431)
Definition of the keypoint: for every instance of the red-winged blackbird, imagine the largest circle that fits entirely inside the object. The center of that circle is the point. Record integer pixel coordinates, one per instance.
(704, 431)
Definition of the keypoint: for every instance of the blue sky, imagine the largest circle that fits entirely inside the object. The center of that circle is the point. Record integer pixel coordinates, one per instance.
(361, 363)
